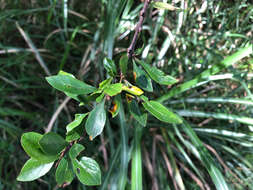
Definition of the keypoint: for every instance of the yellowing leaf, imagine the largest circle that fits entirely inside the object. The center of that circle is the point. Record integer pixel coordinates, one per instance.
(133, 90)
(163, 5)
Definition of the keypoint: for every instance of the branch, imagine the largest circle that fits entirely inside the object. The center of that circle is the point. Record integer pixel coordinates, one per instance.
(138, 28)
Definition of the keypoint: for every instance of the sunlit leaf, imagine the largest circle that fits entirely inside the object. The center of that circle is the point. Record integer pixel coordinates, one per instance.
(163, 5)
(105, 83)
(34, 169)
(133, 90)
(87, 171)
(30, 143)
(68, 84)
(96, 120)
(113, 89)
(75, 150)
(77, 121)
(63, 173)
(161, 112)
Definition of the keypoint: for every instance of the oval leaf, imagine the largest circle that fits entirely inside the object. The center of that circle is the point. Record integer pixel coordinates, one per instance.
(77, 121)
(30, 143)
(63, 173)
(123, 64)
(157, 75)
(142, 79)
(87, 171)
(68, 84)
(33, 169)
(51, 143)
(74, 96)
(72, 136)
(113, 89)
(161, 112)
(136, 113)
(61, 72)
(110, 67)
(100, 97)
(105, 83)
(133, 90)
(75, 150)
(96, 121)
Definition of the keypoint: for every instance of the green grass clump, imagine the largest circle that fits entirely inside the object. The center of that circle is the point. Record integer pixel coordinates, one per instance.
(207, 46)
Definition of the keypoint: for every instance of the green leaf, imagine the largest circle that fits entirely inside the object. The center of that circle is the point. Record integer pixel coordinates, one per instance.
(105, 83)
(74, 96)
(33, 169)
(30, 143)
(136, 113)
(63, 173)
(142, 79)
(158, 75)
(144, 98)
(96, 121)
(113, 89)
(163, 5)
(100, 97)
(68, 84)
(75, 150)
(87, 171)
(161, 112)
(123, 64)
(136, 163)
(72, 136)
(206, 158)
(225, 116)
(75, 134)
(77, 121)
(110, 67)
(51, 143)
(61, 72)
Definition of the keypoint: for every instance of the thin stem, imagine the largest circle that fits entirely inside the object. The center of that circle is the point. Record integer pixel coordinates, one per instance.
(138, 28)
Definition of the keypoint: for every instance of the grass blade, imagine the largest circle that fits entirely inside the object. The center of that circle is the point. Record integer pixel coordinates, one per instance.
(213, 100)
(206, 159)
(176, 172)
(136, 174)
(124, 148)
(191, 113)
(228, 61)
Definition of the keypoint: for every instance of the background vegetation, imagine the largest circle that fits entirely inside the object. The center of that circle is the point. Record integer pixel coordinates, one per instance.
(38, 38)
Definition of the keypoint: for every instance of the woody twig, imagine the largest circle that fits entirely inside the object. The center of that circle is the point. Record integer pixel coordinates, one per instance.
(138, 29)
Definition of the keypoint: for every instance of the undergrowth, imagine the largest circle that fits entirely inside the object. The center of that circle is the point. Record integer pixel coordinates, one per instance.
(204, 47)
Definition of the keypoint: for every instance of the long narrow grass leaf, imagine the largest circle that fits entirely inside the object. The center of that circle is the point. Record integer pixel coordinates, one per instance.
(192, 113)
(230, 60)
(207, 161)
(136, 172)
